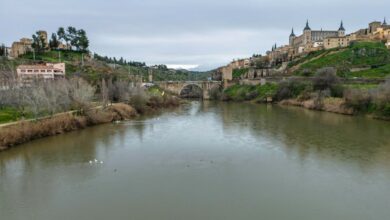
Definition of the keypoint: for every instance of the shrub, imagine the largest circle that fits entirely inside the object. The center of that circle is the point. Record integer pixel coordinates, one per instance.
(325, 78)
(139, 99)
(359, 100)
(290, 89)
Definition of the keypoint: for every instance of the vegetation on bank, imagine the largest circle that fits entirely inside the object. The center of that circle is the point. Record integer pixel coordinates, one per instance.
(66, 105)
(249, 92)
(372, 57)
(324, 92)
(8, 114)
(66, 122)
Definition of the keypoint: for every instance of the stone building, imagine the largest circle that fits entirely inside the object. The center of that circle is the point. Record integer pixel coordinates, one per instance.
(335, 42)
(311, 36)
(376, 30)
(21, 47)
(223, 73)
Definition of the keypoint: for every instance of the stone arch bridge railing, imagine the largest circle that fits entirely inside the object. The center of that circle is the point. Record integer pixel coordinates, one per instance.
(177, 87)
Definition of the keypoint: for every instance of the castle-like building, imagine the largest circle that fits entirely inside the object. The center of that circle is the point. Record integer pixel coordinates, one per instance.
(311, 36)
(275, 61)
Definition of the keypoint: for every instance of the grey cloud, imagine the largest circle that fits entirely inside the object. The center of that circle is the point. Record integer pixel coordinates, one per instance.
(202, 32)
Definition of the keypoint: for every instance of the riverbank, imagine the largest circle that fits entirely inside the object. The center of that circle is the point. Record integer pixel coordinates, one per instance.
(13, 134)
(334, 105)
(325, 92)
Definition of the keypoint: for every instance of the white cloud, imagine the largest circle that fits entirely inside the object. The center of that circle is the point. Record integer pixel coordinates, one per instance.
(182, 66)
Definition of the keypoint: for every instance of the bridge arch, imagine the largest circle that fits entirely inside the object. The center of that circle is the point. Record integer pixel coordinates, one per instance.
(191, 90)
(181, 88)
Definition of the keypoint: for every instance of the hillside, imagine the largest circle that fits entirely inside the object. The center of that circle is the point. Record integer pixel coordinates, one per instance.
(93, 70)
(360, 59)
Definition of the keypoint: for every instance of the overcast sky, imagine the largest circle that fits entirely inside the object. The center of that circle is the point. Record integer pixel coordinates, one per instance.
(204, 33)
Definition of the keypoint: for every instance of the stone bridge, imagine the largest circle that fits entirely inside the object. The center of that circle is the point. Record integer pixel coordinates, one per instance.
(180, 87)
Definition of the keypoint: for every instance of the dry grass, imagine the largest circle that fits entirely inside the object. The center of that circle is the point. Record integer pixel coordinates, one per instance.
(26, 131)
(122, 111)
(30, 130)
(335, 105)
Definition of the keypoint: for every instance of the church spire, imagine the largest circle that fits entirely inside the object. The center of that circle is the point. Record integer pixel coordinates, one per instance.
(307, 28)
(384, 21)
(292, 33)
(341, 26)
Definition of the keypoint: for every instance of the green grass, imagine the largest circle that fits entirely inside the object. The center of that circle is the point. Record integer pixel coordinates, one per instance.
(357, 55)
(379, 72)
(248, 92)
(239, 72)
(361, 86)
(53, 56)
(8, 115)
(311, 55)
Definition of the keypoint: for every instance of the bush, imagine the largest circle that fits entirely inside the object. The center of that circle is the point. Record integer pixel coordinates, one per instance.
(290, 89)
(359, 100)
(325, 78)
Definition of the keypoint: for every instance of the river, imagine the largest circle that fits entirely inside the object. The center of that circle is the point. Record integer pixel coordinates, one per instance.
(205, 160)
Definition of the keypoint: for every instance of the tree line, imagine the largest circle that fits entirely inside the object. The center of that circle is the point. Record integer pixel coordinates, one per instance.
(71, 37)
(120, 61)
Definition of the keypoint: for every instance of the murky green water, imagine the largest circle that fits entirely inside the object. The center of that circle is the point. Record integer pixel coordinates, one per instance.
(214, 161)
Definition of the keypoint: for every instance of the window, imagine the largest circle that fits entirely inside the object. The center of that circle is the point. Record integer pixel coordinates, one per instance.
(35, 71)
(23, 71)
(42, 71)
(30, 71)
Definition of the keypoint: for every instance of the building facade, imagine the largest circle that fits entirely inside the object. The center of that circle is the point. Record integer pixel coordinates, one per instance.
(21, 47)
(49, 71)
(311, 36)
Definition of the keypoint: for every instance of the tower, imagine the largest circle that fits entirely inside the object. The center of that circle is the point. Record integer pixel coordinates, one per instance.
(341, 31)
(384, 22)
(292, 37)
(307, 33)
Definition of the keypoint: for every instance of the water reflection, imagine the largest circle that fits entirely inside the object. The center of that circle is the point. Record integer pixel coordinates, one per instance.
(324, 135)
(215, 153)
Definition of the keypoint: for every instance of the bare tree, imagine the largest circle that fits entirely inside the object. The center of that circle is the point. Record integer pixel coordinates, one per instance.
(81, 93)
(104, 92)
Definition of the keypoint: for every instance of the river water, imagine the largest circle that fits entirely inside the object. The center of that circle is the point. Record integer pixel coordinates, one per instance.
(205, 160)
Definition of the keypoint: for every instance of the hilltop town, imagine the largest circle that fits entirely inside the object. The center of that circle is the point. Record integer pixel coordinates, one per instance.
(279, 60)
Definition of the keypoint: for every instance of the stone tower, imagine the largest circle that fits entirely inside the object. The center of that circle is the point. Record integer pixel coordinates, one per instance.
(384, 22)
(292, 37)
(307, 33)
(341, 31)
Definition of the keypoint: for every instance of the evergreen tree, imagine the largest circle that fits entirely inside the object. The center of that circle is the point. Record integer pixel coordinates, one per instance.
(3, 50)
(82, 40)
(62, 35)
(38, 42)
(71, 33)
(54, 43)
